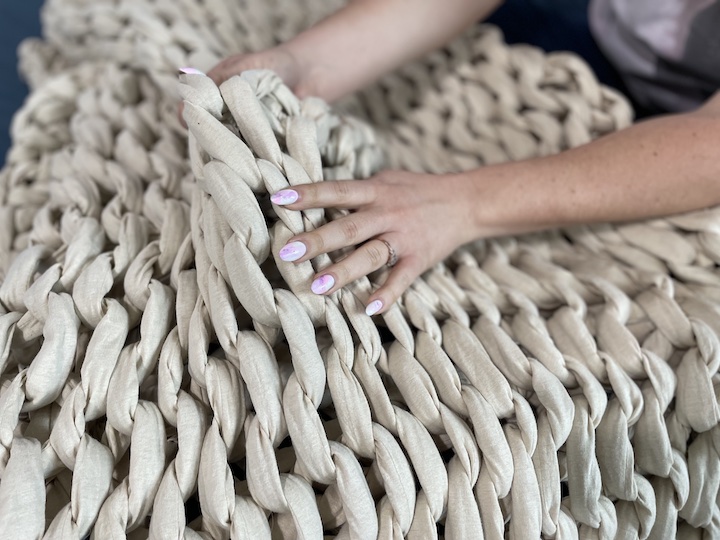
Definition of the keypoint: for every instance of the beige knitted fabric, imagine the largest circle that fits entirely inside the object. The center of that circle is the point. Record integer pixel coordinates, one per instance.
(165, 375)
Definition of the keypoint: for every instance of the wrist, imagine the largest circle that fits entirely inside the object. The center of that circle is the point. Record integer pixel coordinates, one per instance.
(506, 199)
(479, 189)
(301, 70)
(312, 76)
(284, 62)
(470, 199)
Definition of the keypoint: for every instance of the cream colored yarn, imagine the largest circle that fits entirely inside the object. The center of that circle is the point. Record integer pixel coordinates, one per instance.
(164, 375)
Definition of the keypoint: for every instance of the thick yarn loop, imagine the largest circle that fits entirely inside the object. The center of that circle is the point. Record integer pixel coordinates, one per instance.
(163, 374)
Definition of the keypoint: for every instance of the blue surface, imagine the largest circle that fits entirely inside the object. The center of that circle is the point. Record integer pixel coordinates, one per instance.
(18, 19)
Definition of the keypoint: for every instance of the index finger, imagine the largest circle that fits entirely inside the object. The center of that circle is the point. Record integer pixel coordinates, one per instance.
(331, 194)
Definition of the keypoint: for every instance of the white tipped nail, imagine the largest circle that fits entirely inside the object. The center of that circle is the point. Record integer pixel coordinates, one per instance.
(190, 71)
(373, 308)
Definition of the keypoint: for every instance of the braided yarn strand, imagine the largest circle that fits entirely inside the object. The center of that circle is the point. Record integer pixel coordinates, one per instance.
(165, 375)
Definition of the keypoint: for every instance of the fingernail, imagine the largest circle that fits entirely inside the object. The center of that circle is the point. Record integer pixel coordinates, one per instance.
(373, 307)
(292, 251)
(322, 284)
(285, 196)
(190, 71)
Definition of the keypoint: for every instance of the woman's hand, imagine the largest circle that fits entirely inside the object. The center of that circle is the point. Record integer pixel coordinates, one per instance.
(419, 219)
(654, 168)
(278, 59)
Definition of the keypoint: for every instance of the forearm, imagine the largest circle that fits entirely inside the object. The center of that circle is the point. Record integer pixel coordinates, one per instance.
(656, 168)
(368, 38)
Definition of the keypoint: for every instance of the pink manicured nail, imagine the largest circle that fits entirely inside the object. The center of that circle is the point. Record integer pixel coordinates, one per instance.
(190, 71)
(373, 307)
(322, 284)
(285, 196)
(292, 251)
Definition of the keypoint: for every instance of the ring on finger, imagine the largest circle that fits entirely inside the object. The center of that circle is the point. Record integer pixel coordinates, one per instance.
(392, 254)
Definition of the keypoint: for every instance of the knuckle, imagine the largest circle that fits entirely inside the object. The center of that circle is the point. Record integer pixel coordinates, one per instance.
(401, 281)
(375, 255)
(341, 190)
(405, 280)
(315, 242)
(372, 189)
(342, 274)
(381, 177)
(387, 177)
(309, 194)
(350, 230)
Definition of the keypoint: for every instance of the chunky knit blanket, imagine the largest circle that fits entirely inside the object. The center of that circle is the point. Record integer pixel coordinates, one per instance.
(164, 375)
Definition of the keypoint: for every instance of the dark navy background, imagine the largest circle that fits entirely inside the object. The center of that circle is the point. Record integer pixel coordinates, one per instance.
(550, 24)
(18, 19)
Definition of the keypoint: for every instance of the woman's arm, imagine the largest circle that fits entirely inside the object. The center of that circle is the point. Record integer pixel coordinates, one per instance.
(360, 42)
(659, 167)
(664, 166)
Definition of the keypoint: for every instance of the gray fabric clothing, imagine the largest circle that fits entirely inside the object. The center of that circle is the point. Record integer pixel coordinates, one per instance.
(667, 51)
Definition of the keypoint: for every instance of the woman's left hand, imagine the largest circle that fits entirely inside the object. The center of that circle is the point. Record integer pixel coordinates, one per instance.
(415, 219)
